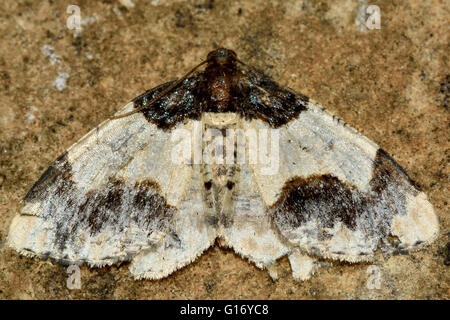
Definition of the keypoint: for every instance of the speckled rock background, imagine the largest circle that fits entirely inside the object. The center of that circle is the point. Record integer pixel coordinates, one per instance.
(391, 84)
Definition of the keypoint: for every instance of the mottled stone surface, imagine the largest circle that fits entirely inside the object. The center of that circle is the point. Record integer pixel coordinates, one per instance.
(387, 83)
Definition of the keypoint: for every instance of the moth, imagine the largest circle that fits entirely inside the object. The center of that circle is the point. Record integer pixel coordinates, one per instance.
(225, 155)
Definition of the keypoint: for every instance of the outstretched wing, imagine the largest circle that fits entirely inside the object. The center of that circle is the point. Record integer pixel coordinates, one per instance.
(115, 194)
(335, 193)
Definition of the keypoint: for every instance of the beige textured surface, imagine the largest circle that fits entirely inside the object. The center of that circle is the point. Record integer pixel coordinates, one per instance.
(385, 82)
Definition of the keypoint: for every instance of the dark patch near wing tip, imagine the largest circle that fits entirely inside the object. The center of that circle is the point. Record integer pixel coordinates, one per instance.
(62, 158)
(222, 87)
(391, 167)
(53, 172)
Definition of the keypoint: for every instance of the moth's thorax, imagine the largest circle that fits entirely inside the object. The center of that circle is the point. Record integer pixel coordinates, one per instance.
(221, 81)
(222, 75)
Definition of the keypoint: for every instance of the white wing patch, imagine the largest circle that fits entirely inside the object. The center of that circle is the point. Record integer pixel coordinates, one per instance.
(341, 210)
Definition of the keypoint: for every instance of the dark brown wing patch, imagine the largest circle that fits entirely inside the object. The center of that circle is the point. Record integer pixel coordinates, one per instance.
(118, 207)
(259, 97)
(183, 102)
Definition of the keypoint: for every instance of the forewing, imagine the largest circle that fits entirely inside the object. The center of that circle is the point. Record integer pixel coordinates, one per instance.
(336, 194)
(113, 193)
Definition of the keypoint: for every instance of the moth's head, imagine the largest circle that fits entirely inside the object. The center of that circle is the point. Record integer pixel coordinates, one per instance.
(222, 56)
